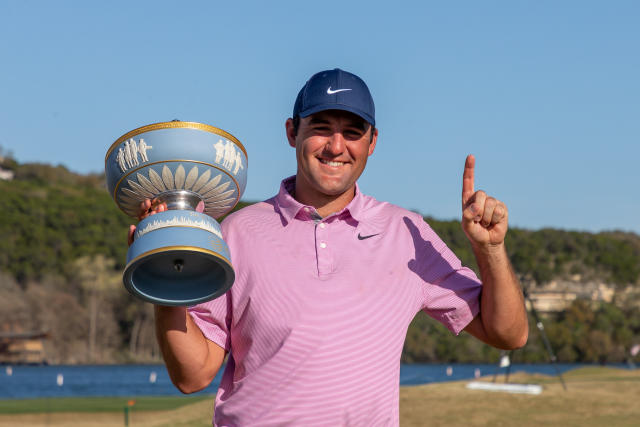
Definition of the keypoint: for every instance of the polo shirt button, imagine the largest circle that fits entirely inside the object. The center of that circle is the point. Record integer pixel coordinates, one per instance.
(323, 245)
(323, 225)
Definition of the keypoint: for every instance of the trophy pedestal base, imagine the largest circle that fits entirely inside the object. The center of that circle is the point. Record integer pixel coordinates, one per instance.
(176, 264)
(178, 277)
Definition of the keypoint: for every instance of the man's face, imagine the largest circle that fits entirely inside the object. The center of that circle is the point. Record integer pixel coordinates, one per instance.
(332, 148)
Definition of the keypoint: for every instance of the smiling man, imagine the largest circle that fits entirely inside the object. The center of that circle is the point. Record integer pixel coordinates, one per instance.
(328, 281)
(332, 148)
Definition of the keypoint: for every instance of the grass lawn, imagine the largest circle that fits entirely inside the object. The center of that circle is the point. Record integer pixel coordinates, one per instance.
(171, 411)
(594, 397)
(97, 404)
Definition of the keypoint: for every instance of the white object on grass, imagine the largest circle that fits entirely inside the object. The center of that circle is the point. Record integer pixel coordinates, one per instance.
(505, 361)
(509, 388)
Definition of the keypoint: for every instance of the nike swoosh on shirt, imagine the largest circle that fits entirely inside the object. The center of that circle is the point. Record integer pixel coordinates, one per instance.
(331, 92)
(360, 237)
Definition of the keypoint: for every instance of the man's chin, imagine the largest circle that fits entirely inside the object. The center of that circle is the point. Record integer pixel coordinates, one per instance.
(336, 190)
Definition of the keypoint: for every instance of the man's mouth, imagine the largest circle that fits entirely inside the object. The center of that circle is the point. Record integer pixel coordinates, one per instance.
(331, 162)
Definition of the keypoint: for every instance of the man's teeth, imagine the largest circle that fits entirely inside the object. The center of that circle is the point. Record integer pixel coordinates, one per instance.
(331, 163)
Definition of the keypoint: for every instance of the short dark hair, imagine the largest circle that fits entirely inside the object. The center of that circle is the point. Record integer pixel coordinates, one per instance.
(296, 126)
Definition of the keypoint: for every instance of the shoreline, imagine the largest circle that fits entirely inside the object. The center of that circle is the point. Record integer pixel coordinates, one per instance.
(123, 381)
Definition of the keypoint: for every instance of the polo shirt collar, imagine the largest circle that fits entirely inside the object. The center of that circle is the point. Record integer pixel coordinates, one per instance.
(289, 207)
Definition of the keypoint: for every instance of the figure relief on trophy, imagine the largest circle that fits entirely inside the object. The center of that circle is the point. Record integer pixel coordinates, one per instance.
(227, 154)
(178, 257)
(127, 156)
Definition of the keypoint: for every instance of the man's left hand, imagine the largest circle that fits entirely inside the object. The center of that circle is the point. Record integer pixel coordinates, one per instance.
(484, 218)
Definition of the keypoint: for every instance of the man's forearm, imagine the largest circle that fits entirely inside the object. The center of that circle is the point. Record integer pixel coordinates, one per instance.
(502, 309)
(191, 360)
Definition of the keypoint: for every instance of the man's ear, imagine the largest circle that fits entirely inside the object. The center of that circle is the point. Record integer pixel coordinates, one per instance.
(374, 139)
(291, 132)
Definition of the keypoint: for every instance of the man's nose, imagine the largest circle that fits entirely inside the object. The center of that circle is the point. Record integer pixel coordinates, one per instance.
(335, 143)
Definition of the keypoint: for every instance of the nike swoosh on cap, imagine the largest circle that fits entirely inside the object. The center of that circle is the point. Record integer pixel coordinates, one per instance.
(331, 92)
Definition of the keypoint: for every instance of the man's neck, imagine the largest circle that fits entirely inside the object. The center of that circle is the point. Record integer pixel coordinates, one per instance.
(324, 204)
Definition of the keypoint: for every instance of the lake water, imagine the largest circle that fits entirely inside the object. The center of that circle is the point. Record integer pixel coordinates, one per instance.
(18, 382)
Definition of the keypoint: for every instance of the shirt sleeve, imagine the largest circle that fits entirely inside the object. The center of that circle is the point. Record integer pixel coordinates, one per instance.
(450, 291)
(214, 320)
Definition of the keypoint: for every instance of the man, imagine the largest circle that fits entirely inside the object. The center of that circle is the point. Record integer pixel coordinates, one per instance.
(329, 279)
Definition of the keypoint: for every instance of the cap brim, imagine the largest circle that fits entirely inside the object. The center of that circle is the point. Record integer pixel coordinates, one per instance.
(325, 107)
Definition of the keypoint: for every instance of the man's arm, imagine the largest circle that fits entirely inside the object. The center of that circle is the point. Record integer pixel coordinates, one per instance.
(502, 321)
(192, 360)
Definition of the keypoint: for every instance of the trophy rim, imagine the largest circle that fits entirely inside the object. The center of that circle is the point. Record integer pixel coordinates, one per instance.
(174, 125)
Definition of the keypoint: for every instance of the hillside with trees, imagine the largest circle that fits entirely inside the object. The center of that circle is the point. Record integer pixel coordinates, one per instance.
(63, 248)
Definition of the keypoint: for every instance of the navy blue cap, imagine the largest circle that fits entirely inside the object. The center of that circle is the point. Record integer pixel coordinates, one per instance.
(335, 90)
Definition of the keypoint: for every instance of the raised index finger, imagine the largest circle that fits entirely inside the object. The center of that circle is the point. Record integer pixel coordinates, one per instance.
(467, 179)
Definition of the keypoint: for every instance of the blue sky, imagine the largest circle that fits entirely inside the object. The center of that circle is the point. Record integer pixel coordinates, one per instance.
(546, 94)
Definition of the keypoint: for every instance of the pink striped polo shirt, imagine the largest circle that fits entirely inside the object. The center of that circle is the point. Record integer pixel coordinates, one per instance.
(317, 316)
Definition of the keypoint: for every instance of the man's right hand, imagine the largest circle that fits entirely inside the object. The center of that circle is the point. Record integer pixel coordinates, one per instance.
(148, 207)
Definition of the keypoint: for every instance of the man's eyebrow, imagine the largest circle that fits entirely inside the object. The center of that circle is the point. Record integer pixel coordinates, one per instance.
(360, 124)
(318, 120)
(355, 123)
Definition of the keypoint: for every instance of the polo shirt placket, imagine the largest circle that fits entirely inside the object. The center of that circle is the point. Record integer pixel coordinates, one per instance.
(324, 249)
(325, 263)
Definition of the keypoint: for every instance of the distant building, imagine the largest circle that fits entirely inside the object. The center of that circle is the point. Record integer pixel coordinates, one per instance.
(558, 295)
(6, 174)
(22, 348)
(551, 302)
